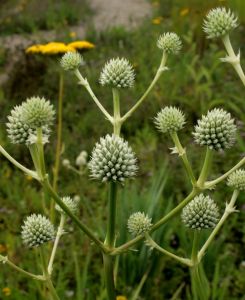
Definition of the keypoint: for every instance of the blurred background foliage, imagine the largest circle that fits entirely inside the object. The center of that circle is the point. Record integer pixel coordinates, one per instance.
(196, 81)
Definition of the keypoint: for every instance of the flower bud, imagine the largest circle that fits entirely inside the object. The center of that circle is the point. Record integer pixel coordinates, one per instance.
(219, 22)
(66, 163)
(200, 213)
(72, 204)
(237, 180)
(139, 223)
(170, 119)
(71, 61)
(117, 73)
(215, 130)
(169, 42)
(37, 230)
(112, 160)
(81, 160)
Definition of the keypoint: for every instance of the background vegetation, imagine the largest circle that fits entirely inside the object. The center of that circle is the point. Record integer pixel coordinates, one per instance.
(196, 82)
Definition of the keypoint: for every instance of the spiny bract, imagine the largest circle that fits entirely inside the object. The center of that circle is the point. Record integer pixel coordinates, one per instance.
(200, 213)
(139, 223)
(170, 119)
(237, 180)
(112, 160)
(118, 73)
(37, 112)
(71, 61)
(37, 229)
(215, 130)
(219, 22)
(70, 203)
(169, 42)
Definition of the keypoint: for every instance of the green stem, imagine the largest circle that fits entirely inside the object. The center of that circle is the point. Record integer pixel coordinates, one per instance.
(205, 169)
(233, 59)
(160, 70)
(183, 155)
(56, 242)
(47, 276)
(41, 152)
(5, 260)
(74, 218)
(153, 244)
(109, 278)
(84, 82)
(117, 116)
(31, 173)
(162, 221)
(230, 208)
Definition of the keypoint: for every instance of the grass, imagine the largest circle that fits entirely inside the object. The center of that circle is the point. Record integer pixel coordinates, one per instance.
(196, 82)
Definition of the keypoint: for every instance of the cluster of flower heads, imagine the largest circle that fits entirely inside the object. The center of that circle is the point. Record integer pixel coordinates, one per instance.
(112, 160)
(37, 230)
(24, 120)
(139, 223)
(200, 213)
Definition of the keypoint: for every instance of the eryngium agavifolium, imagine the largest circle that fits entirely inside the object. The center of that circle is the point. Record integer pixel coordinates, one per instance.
(20, 132)
(200, 213)
(37, 112)
(219, 22)
(237, 180)
(71, 61)
(170, 119)
(112, 160)
(70, 203)
(215, 130)
(169, 42)
(139, 223)
(37, 229)
(117, 73)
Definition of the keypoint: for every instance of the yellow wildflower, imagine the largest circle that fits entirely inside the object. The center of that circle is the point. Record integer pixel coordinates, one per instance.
(157, 21)
(81, 45)
(3, 248)
(6, 291)
(121, 297)
(184, 12)
(34, 49)
(72, 34)
(56, 48)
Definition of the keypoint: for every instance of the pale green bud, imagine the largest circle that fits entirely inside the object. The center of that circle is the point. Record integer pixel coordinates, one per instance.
(139, 223)
(72, 204)
(237, 180)
(71, 61)
(169, 42)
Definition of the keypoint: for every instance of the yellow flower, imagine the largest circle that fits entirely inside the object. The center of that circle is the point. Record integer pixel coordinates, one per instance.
(34, 49)
(3, 248)
(56, 48)
(157, 21)
(72, 34)
(184, 12)
(81, 45)
(6, 291)
(121, 297)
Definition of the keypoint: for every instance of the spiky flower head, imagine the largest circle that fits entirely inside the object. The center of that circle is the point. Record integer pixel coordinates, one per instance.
(169, 42)
(37, 112)
(21, 132)
(219, 22)
(72, 204)
(200, 213)
(237, 180)
(112, 160)
(170, 119)
(139, 223)
(215, 130)
(37, 230)
(71, 61)
(117, 73)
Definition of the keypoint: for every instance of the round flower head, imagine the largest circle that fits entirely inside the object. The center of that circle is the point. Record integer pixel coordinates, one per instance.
(215, 130)
(237, 180)
(112, 160)
(81, 160)
(37, 112)
(170, 119)
(20, 132)
(169, 42)
(118, 73)
(70, 203)
(71, 61)
(219, 22)
(200, 213)
(139, 223)
(37, 229)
